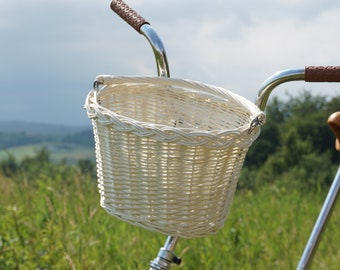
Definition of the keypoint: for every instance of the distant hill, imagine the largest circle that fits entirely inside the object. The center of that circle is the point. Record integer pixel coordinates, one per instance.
(64, 142)
(14, 134)
(41, 129)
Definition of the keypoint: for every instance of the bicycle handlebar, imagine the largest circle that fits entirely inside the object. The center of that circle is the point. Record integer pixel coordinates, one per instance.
(322, 74)
(144, 28)
(307, 74)
(135, 20)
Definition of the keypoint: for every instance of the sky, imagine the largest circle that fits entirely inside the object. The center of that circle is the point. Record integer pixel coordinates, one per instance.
(51, 51)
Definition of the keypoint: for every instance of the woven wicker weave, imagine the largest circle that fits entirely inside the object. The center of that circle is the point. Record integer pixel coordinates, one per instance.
(169, 151)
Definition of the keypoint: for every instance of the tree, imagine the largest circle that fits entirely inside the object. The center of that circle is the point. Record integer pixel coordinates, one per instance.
(295, 146)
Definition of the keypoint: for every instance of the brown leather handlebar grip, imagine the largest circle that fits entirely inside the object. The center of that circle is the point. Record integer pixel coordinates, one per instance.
(128, 14)
(334, 124)
(322, 74)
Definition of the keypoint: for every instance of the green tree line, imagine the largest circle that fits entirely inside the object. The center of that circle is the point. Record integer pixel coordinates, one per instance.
(13, 139)
(32, 167)
(295, 148)
(10, 139)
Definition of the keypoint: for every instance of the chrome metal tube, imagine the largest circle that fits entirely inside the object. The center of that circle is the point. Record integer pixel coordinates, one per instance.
(166, 255)
(171, 243)
(275, 80)
(158, 49)
(320, 224)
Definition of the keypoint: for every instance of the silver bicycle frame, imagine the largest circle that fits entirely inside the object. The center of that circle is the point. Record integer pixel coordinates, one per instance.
(320, 224)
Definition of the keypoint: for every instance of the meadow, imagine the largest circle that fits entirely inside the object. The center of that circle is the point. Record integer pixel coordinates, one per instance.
(53, 221)
(50, 216)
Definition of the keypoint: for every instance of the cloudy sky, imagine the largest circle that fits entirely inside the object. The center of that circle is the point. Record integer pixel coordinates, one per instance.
(51, 51)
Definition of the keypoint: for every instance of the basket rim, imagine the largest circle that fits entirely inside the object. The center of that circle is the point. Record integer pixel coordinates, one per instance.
(106, 116)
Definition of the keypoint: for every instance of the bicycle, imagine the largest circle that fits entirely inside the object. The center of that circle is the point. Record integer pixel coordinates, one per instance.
(152, 131)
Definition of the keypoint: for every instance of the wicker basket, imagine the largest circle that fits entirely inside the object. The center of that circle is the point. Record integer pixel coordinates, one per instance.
(169, 151)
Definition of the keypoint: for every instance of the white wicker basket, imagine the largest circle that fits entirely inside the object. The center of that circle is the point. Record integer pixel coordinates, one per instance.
(169, 151)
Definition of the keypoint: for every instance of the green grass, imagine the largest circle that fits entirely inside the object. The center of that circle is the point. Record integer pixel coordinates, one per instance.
(56, 223)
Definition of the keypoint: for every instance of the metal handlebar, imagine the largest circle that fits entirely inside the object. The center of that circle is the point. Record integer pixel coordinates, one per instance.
(276, 79)
(322, 74)
(307, 74)
(128, 14)
(143, 27)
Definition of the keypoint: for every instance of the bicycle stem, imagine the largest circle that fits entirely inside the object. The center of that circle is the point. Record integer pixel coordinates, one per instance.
(166, 256)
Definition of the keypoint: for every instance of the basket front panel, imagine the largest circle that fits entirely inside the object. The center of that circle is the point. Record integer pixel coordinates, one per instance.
(166, 187)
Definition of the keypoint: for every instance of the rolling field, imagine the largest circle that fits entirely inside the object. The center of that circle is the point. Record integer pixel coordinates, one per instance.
(55, 222)
(50, 216)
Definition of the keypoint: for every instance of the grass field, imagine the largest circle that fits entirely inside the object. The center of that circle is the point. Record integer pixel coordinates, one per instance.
(53, 222)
